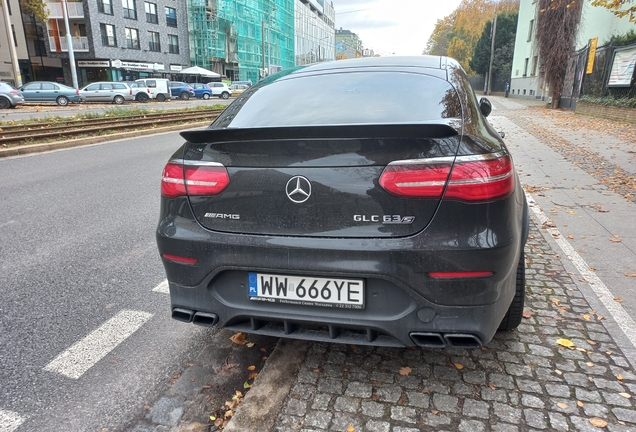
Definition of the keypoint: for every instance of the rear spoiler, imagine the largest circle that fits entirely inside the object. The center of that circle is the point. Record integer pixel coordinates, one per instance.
(423, 130)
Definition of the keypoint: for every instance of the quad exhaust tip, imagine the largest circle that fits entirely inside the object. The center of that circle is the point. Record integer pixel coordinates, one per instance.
(184, 315)
(440, 340)
(201, 318)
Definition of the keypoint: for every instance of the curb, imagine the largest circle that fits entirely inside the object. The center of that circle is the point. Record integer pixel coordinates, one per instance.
(259, 410)
(58, 145)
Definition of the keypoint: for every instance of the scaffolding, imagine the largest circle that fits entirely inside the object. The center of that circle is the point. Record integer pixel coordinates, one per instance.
(242, 39)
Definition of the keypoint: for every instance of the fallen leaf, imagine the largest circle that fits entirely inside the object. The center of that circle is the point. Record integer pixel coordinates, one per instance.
(405, 370)
(251, 368)
(581, 404)
(316, 370)
(375, 397)
(556, 301)
(239, 338)
(618, 300)
(435, 412)
(570, 236)
(350, 428)
(600, 317)
(591, 342)
(626, 395)
(565, 342)
(558, 372)
(619, 377)
(459, 366)
(586, 317)
(212, 418)
(590, 364)
(247, 385)
(492, 387)
(526, 313)
(562, 405)
(608, 352)
(615, 240)
(630, 274)
(249, 344)
(205, 387)
(252, 375)
(598, 422)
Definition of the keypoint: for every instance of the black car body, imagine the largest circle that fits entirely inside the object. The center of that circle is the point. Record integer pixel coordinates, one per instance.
(317, 207)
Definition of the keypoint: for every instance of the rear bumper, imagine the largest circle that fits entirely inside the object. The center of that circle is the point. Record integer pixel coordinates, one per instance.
(404, 305)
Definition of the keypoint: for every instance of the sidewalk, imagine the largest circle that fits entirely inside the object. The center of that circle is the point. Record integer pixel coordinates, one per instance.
(523, 380)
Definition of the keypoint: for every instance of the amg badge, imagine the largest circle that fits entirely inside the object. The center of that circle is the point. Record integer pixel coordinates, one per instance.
(385, 219)
(222, 216)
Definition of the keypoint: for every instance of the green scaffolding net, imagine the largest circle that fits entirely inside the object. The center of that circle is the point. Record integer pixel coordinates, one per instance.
(243, 39)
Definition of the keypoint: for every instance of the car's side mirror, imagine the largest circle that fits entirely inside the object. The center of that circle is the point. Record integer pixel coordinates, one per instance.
(502, 134)
(485, 106)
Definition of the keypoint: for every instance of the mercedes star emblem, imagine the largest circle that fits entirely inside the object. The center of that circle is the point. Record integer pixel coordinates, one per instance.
(298, 189)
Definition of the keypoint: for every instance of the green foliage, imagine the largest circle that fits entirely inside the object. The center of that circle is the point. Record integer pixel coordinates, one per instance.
(37, 8)
(438, 42)
(610, 101)
(628, 38)
(504, 46)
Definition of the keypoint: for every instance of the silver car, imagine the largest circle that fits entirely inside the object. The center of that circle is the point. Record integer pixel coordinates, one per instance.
(115, 92)
(10, 96)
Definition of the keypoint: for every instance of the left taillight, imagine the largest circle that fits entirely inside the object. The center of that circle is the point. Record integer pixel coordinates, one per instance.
(198, 179)
(476, 178)
(14, 92)
(76, 92)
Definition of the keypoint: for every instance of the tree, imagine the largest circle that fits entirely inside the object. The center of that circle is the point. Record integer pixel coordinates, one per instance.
(557, 25)
(504, 47)
(37, 8)
(438, 41)
(616, 7)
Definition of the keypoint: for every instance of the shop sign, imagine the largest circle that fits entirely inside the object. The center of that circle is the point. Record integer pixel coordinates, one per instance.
(93, 63)
(176, 68)
(138, 65)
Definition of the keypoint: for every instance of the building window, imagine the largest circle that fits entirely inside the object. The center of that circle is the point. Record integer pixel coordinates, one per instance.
(151, 13)
(525, 67)
(39, 49)
(15, 39)
(530, 29)
(129, 9)
(171, 17)
(105, 7)
(108, 35)
(173, 44)
(535, 60)
(153, 41)
(132, 38)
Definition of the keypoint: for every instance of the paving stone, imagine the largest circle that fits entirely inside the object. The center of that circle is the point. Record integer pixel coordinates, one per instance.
(595, 410)
(382, 377)
(626, 415)
(341, 421)
(501, 381)
(445, 402)
(346, 404)
(330, 385)
(494, 395)
(531, 401)
(417, 399)
(587, 396)
(358, 389)
(616, 399)
(507, 413)
(576, 379)
(405, 429)
(474, 408)
(377, 426)
(558, 390)
(504, 427)
(372, 409)
(404, 414)
(471, 426)
(296, 407)
(388, 394)
(321, 401)
(435, 387)
(435, 420)
(529, 386)
(320, 419)
(558, 422)
(582, 424)
(535, 419)
(303, 391)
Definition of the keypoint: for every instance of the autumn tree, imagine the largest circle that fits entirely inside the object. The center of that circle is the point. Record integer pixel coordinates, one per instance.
(36, 8)
(620, 8)
(467, 22)
(557, 25)
(504, 47)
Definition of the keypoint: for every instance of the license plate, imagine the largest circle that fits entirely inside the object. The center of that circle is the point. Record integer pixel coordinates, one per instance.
(306, 291)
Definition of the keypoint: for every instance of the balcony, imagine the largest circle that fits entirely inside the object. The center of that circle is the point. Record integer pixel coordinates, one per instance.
(75, 10)
(60, 43)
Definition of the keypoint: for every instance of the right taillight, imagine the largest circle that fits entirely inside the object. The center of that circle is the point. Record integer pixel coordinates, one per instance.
(477, 178)
(194, 179)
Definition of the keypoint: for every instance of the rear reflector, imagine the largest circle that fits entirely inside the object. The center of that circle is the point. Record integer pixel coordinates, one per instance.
(202, 179)
(459, 275)
(478, 178)
(179, 259)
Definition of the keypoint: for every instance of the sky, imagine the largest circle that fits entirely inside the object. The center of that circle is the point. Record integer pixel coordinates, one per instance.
(392, 26)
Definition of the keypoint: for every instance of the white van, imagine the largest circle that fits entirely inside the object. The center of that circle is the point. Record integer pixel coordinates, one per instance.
(159, 87)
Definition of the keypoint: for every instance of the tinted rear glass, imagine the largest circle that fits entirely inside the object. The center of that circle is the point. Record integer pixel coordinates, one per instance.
(349, 98)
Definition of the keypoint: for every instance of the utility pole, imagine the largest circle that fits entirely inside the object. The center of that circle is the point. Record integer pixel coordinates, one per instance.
(12, 52)
(263, 43)
(69, 42)
(492, 51)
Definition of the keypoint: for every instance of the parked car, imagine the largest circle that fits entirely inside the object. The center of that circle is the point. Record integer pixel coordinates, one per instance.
(220, 89)
(159, 88)
(181, 90)
(237, 89)
(352, 216)
(47, 91)
(10, 97)
(115, 92)
(141, 93)
(202, 91)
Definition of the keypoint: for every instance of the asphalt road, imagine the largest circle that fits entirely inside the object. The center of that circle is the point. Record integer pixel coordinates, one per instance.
(78, 258)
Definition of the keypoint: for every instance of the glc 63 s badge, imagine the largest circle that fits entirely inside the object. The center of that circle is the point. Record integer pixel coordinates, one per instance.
(385, 219)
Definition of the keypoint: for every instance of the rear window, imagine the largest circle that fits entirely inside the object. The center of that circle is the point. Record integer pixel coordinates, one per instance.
(119, 86)
(349, 98)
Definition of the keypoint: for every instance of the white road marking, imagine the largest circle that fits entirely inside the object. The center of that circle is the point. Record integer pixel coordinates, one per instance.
(162, 287)
(622, 318)
(9, 421)
(80, 357)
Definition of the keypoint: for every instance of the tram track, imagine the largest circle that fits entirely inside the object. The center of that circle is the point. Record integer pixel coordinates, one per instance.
(41, 132)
